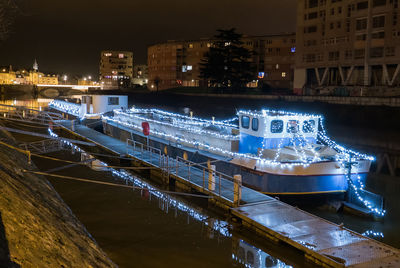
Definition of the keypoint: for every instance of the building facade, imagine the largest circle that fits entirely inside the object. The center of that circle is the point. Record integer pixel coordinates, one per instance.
(24, 77)
(177, 63)
(116, 69)
(140, 75)
(7, 75)
(351, 44)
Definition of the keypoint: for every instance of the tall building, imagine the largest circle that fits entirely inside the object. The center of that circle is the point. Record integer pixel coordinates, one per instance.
(352, 44)
(177, 63)
(116, 69)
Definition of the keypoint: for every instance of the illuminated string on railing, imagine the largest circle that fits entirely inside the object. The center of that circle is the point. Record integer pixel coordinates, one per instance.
(71, 108)
(211, 148)
(192, 120)
(181, 126)
(67, 107)
(217, 225)
(373, 234)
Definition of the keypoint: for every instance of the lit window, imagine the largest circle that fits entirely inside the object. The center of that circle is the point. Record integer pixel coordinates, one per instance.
(277, 66)
(184, 68)
(245, 122)
(293, 49)
(276, 126)
(189, 67)
(261, 75)
(121, 56)
(113, 101)
(283, 74)
(254, 124)
(208, 44)
(292, 126)
(107, 54)
(308, 126)
(190, 45)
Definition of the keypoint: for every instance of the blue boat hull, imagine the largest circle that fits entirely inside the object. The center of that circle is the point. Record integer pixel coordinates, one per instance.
(263, 182)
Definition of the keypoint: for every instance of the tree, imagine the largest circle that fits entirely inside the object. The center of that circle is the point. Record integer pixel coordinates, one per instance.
(228, 62)
(157, 81)
(9, 9)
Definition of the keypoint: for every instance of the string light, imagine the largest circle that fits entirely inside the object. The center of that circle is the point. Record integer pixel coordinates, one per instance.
(187, 119)
(177, 125)
(373, 234)
(217, 225)
(72, 109)
(66, 107)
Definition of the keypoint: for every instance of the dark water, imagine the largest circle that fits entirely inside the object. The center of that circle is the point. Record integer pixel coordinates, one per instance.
(146, 228)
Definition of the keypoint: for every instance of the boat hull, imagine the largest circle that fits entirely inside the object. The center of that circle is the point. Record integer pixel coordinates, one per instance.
(273, 184)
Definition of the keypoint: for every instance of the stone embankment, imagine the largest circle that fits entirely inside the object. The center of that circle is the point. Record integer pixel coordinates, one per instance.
(37, 229)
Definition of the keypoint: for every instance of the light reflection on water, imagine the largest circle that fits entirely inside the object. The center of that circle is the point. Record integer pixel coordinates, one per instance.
(243, 253)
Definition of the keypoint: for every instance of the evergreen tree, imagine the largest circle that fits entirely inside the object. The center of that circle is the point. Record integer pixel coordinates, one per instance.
(227, 63)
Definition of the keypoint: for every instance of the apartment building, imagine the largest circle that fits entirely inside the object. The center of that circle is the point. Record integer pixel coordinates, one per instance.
(177, 63)
(347, 43)
(116, 69)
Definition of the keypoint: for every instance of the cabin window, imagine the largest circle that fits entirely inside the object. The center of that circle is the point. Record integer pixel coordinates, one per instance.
(113, 101)
(245, 122)
(292, 126)
(254, 124)
(250, 257)
(308, 126)
(276, 126)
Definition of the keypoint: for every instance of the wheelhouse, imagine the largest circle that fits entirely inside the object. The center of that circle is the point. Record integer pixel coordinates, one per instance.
(275, 129)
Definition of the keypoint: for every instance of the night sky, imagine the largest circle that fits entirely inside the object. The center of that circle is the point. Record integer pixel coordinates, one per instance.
(66, 36)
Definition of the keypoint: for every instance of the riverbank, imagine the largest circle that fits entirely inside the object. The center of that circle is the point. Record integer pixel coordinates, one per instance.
(37, 229)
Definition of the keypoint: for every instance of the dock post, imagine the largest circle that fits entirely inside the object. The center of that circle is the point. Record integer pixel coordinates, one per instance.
(211, 178)
(237, 189)
(177, 166)
(204, 178)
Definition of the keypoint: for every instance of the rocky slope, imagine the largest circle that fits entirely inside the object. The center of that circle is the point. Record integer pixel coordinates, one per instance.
(37, 229)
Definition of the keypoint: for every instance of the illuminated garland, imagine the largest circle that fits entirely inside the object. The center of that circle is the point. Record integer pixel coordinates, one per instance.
(188, 119)
(373, 234)
(66, 107)
(218, 225)
(326, 140)
(211, 148)
(352, 186)
(70, 108)
(180, 126)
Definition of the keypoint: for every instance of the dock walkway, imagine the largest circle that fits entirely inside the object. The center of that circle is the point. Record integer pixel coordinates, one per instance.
(323, 242)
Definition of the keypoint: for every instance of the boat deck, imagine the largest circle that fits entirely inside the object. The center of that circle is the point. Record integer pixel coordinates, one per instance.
(323, 242)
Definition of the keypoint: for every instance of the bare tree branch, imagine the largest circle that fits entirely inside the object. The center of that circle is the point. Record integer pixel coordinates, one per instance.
(9, 10)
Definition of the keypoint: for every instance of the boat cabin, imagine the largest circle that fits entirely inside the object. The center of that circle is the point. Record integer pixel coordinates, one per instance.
(275, 129)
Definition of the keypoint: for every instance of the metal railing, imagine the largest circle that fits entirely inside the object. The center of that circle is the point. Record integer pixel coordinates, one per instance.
(43, 146)
(147, 153)
(20, 113)
(208, 179)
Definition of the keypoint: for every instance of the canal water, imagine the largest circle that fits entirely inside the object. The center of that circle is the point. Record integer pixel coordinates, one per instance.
(149, 228)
